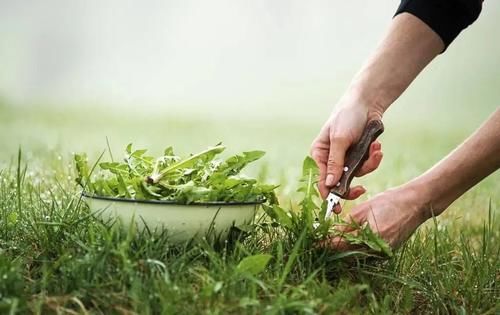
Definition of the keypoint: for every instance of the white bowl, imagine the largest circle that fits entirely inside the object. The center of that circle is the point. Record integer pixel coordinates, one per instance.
(182, 222)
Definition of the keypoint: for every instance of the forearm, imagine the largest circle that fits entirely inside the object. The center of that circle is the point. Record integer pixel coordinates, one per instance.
(407, 48)
(476, 158)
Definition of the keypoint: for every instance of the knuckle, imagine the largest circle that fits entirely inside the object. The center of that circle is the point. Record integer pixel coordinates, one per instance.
(313, 149)
(340, 139)
(316, 156)
(333, 163)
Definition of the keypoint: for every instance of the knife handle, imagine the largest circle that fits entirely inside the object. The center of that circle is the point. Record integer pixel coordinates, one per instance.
(356, 155)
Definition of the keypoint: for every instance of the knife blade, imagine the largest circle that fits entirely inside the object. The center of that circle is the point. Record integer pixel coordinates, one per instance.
(354, 159)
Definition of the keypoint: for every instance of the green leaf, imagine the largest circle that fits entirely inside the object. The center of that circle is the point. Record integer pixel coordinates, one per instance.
(278, 214)
(169, 151)
(83, 171)
(122, 187)
(138, 153)
(308, 186)
(253, 264)
(188, 162)
(309, 165)
(198, 178)
(369, 239)
(114, 167)
(236, 163)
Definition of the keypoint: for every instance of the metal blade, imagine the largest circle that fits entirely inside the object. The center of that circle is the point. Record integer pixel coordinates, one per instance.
(332, 200)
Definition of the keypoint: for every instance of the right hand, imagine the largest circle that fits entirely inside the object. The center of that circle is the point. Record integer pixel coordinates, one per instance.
(344, 128)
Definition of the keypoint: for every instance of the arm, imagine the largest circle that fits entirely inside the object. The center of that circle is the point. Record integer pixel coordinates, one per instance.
(406, 49)
(421, 30)
(476, 158)
(397, 212)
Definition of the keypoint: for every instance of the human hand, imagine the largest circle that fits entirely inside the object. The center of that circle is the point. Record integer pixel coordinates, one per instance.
(394, 214)
(344, 128)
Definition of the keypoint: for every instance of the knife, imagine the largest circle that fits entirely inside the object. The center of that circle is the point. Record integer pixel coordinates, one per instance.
(354, 159)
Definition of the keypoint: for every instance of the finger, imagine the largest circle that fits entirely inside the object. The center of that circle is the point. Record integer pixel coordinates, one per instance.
(357, 216)
(375, 146)
(323, 190)
(374, 159)
(319, 156)
(342, 228)
(352, 222)
(337, 209)
(337, 243)
(335, 163)
(341, 244)
(355, 192)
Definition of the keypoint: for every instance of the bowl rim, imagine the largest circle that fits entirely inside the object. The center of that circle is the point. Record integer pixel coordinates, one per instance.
(172, 202)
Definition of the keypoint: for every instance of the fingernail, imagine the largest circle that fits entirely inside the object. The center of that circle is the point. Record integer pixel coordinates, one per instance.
(329, 180)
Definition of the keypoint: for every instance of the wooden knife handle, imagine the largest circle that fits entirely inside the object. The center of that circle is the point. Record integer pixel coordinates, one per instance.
(356, 155)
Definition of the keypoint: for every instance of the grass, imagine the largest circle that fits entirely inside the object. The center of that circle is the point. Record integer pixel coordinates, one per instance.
(56, 257)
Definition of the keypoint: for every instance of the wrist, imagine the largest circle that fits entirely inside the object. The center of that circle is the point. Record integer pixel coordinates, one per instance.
(365, 96)
(429, 198)
(412, 195)
(357, 99)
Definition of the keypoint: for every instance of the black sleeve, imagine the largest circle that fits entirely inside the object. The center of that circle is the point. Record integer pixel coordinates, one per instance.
(446, 17)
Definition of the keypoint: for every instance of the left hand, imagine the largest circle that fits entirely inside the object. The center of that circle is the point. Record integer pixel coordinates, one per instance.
(394, 214)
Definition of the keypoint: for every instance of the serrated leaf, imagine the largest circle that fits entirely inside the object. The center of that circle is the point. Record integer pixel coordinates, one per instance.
(309, 165)
(198, 178)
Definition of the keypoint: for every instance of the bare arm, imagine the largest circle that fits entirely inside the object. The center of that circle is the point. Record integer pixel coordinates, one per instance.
(406, 49)
(476, 158)
(397, 212)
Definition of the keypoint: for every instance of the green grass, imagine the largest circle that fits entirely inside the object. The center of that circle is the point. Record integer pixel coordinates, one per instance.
(56, 257)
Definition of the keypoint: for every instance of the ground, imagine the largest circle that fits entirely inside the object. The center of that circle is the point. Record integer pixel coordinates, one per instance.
(55, 257)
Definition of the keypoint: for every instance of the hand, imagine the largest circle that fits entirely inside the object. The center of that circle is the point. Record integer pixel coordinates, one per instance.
(394, 214)
(344, 128)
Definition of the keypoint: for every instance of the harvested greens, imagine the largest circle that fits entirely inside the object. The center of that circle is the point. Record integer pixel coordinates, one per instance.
(201, 177)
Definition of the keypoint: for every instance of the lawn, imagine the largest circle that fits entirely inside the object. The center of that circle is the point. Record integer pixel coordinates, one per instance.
(56, 257)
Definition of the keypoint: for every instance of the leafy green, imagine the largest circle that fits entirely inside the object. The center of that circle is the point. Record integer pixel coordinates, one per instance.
(253, 264)
(309, 223)
(200, 177)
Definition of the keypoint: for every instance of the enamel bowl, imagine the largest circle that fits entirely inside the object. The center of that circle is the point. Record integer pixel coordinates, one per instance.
(183, 222)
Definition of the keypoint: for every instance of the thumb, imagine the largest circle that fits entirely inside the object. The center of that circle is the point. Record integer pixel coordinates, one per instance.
(335, 164)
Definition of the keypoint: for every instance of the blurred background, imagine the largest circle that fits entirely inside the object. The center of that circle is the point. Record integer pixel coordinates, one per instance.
(252, 74)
